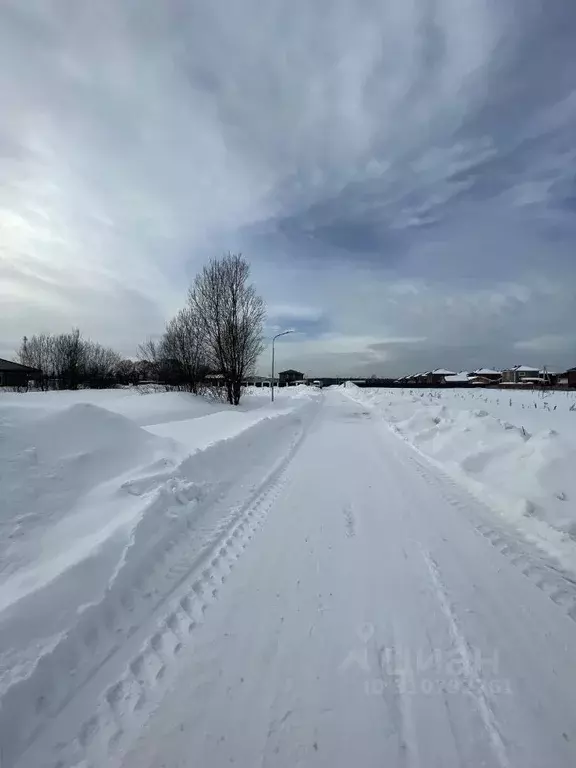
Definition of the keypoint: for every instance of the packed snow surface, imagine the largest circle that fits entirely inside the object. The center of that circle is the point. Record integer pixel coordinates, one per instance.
(188, 584)
(515, 449)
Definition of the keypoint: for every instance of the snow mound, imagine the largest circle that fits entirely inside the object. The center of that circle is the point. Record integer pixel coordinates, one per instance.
(49, 464)
(141, 405)
(521, 465)
(100, 518)
(521, 470)
(303, 392)
(57, 485)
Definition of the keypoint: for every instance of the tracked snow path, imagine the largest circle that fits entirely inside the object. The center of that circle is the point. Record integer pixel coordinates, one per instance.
(377, 617)
(372, 622)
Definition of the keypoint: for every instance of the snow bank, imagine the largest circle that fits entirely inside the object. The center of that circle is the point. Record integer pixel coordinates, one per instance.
(47, 466)
(99, 515)
(141, 405)
(515, 450)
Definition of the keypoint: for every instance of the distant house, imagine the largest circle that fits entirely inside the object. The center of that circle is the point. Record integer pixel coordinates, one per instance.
(259, 381)
(520, 373)
(437, 377)
(480, 381)
(290, 376)
(568, 378)
(488, 374)
(17, 375)
(458, 379)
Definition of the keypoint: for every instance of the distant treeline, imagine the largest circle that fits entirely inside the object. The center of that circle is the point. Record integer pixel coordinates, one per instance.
(218, 334)
(68, 361)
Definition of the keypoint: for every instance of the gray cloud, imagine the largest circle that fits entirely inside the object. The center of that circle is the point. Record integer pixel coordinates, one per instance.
(394, 170)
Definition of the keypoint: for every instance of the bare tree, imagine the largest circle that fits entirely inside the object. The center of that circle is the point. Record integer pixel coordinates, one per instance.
(148, 350)
(100, 364)
(37, 352)
(150, 354)
(69, 358)
(127, 372)
(231, 317)
(183, 348)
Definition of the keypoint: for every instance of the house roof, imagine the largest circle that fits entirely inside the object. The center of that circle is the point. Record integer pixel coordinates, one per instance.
(488, 372)
(444, 372)
(291, 370)
(10, 365)
(457, 377)
(525, 368)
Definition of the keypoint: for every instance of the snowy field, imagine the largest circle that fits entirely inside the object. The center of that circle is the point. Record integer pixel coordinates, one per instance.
(514, 449)
(98, 491)
(346, 577)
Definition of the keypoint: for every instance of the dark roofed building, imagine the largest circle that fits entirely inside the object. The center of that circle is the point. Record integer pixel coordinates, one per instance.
(438, 377)
(16, 375)
(290, 376)
(571, 377)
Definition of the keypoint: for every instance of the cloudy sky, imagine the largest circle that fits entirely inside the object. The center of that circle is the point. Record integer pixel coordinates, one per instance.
(400, 173)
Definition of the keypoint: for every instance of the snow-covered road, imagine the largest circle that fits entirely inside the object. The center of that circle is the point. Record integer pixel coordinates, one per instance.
(365, 610)
(374, 620)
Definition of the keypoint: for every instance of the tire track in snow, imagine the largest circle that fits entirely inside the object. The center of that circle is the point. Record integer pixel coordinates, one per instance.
(473, 682)
(149, 669)
(558, 585)
(121, 706)
(398, 702)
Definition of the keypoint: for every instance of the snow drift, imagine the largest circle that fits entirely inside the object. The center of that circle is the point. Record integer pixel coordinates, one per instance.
(517, 451)
(101, 517)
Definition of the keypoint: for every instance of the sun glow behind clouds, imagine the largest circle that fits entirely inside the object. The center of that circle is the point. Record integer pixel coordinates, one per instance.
(391, 169)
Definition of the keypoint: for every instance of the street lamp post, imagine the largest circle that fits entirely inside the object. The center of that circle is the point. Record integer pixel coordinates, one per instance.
(284, 333)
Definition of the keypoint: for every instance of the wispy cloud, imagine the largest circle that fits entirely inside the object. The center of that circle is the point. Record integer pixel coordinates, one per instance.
(391, 169)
